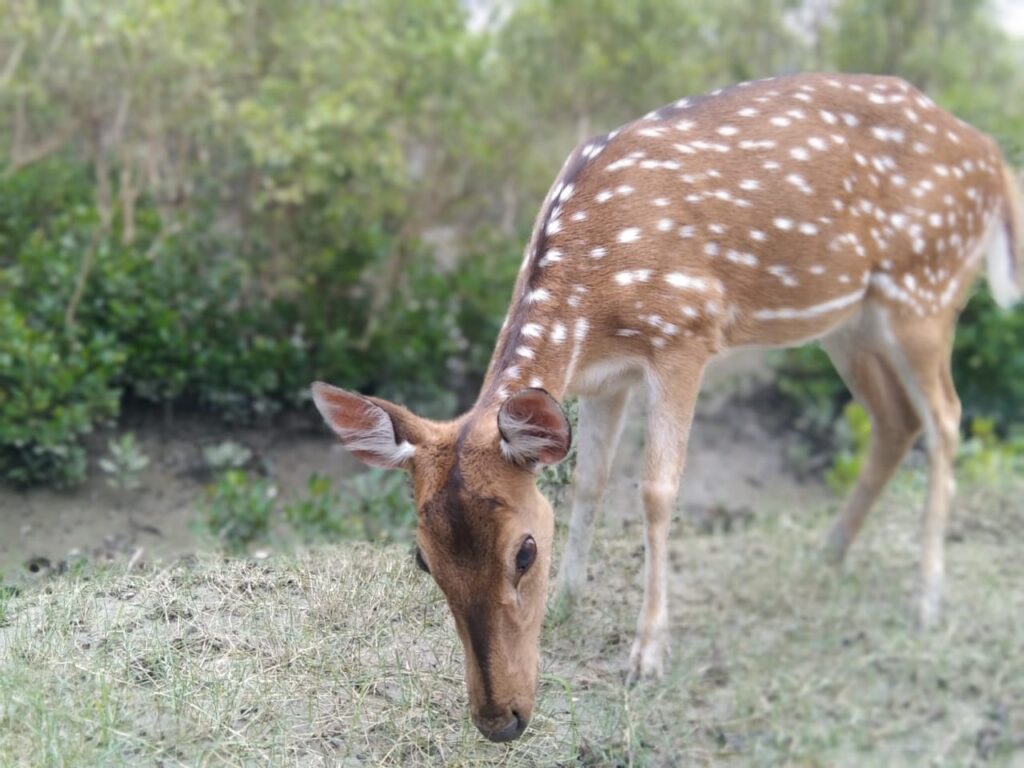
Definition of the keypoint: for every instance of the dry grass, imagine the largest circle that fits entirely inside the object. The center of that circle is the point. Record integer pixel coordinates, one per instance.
(346, 656)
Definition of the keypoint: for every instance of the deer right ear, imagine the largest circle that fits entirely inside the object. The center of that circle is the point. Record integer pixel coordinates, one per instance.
(533, 429)
(376, 432)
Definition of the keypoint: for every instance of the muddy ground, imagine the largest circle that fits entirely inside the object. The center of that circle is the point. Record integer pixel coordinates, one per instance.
(736, 467)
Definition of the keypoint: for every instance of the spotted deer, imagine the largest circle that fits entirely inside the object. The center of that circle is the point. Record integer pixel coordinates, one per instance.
(845, 209)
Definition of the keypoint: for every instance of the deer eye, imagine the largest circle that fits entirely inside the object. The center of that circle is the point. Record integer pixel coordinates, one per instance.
(420, 562)
(526, 555)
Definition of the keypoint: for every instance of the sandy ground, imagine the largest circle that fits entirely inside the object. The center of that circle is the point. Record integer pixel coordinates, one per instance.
(735, 465)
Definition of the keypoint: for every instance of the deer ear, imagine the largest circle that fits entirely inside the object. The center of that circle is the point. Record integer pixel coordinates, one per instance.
(533, 428)
(375, 431)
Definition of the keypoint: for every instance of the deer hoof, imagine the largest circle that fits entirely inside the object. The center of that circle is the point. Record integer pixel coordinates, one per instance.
(834, 551)
(928, 610)
(646, 661)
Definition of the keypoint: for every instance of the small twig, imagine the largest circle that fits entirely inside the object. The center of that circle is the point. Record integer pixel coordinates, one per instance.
(103, 203)
(12, 64)
(136, 556)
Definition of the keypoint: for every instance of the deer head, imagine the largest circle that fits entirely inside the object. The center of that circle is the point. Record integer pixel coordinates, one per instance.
(484, 532)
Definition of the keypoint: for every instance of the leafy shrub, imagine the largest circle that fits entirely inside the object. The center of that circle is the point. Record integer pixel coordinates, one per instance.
(52, 393)
(988, 361)
(319, 516)
(238, 511)
(226, 455)
(123, 463)
(810, 386)
(985, 458)
(853, 436)
(555, 480)
(376, 505)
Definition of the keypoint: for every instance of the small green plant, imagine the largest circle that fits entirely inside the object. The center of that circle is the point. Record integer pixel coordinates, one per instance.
(124, 463)
(984, 457)
(226, 455)
(853, 434)
(6, 593)
(555, 480)
(376, 505)
(810, 388)
(238, 511)
(319, 516)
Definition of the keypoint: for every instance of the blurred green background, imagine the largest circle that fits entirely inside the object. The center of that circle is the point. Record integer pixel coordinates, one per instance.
(207, 205)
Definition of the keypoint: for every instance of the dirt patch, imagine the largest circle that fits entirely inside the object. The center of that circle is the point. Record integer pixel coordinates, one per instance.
(40, 528)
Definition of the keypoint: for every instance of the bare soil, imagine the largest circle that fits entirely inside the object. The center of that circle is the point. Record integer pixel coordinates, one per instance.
(41, 528)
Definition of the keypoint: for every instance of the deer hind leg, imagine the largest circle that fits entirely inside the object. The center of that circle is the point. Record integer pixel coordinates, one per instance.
(671, 400)
(894, 426)
(921, 357)
(600, 425)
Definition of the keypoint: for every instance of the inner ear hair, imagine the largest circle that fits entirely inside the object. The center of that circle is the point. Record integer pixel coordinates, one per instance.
(534, 429)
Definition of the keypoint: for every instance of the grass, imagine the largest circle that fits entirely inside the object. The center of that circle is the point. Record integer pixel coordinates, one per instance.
(346, 656)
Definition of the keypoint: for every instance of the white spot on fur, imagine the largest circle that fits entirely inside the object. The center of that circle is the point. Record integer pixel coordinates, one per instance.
(550, 257)
(740, 257)
(681, 280)
(630, 276)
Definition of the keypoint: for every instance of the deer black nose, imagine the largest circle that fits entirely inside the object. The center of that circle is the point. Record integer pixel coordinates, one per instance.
(512, 730)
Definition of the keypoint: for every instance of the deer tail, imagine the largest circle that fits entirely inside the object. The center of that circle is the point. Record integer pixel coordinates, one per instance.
(1006, 249)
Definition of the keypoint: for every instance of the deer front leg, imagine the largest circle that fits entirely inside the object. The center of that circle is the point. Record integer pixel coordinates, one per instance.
(671, 399)
(600, 425)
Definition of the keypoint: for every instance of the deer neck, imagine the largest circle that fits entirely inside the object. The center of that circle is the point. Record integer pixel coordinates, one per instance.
(540, 344)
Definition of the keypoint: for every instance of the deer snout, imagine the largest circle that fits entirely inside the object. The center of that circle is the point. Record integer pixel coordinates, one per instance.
(506, 726)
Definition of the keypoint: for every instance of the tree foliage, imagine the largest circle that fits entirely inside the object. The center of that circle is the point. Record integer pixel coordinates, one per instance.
(231, 198)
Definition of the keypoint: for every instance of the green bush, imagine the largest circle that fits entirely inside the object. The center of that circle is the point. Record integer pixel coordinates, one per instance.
(853, 437)
(554, 481)
(52, 393)
(374, 505)
(318, 516)
(985, 458)
(810, 387)
(988, 361)
(238, 511)
(377, 506)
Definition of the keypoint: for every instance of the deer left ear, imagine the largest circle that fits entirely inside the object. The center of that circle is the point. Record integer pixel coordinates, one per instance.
(375, 431)
(534, 429)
